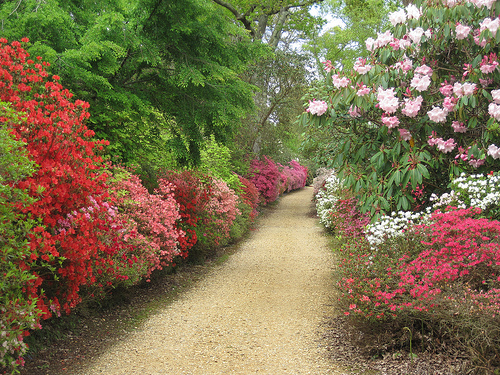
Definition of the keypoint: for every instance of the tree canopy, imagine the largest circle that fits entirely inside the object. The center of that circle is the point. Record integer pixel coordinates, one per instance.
(160, 75)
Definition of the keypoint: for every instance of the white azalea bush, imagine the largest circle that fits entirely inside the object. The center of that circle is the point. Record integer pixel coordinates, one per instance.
(326, 199)
(475, 191)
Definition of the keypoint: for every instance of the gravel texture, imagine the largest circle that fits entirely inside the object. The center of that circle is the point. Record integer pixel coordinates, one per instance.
(260, 312)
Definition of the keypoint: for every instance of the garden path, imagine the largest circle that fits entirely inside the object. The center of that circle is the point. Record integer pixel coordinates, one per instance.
(260, 312)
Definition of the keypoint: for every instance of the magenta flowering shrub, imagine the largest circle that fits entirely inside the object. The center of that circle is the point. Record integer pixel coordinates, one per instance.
(346, 218)
(266, 177)
(250, 196)
(296, 176)
(153, 216)
(445, 273)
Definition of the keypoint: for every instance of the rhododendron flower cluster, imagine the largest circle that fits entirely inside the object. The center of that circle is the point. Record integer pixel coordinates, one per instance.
(317, 107)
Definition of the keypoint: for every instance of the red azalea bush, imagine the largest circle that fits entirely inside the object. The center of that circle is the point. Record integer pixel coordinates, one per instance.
(192, 195)
(153, 216)
(76, 241)
(250, 196)
(70, 178)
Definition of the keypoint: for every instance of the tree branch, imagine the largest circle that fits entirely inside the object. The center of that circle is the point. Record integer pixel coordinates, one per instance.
(239, 16)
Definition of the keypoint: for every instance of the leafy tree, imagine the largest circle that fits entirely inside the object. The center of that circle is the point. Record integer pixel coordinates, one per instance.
(159, 75)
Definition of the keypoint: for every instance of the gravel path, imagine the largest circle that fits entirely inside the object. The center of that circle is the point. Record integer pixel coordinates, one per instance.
(260, 312)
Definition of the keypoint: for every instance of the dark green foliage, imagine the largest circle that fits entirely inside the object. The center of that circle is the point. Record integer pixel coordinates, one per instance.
(160, 75)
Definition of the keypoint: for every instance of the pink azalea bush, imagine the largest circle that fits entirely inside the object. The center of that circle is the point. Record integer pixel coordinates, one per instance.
(266, 177)
(153, 216)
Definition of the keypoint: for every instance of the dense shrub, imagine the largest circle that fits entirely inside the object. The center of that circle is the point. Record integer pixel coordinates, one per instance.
(18, 313)
(266, 177)
(296, 176)
(69, 184)
(153, 216)
(192, 195)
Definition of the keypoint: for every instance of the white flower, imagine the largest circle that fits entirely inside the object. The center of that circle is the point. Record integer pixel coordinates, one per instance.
(494, 151)
(397, 17)
(437, 114)
(317, 107)
(416, 35)
(494, 110)
(387, 100)
(420, 83)
(413, 12)
(496, 96)
(370, 44)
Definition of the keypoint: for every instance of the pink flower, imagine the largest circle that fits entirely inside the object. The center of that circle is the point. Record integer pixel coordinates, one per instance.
(383, 39)
(397, 17)
(412, 106)
(457, 90)
(488, 68)
(340, 82)
(437, 114)
(494, 151)
(317, 107)
(446, 90)
(328, 65)
(458, 127)
(387, 100)
(491, 25)
(364, 90)
(420, 83)
(468, 88)
(390, 122)
(353, 111)
(446, 146)
(361, 67)
(370, 44)
(449, 103)
(496, 95)
(416, 35)
(476, 162)
(404, 134)
(432, 141)
(424, 70)
(413, 12)
(494, 110)
(462, 31)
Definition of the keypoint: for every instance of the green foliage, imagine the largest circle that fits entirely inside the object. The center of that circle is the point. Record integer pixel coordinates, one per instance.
(160, 75)
(17, 313)
(216, 161)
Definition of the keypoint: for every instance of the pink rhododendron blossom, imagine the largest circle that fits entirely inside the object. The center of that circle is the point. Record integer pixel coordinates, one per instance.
(494, 110)
(437, 114)
(494, 151)
(397, 17)
(363, 90)
(433, 140)
(370, 44)
(488, 68)
(361, 67)
(404, 134)
(328, 65)
(458, 127)
(387, 100)
(424, 70)
(462, 154)
(413, 12)
(340, 82)
(394, 44)
(446, 146)
(416, 35)
(457, 90)
(468, 88)
(485, 82)
(354, 111)
(420, 83)
(390, 122)
(479, 3)
(462, 31)
(412, 107)
(449, 103)
(496, 95)
(476, 163)
(446, 90)
(383, 39)
(489, 24)
(317, 107)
